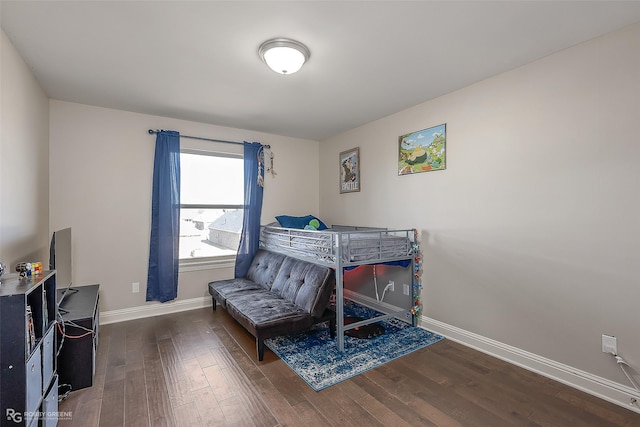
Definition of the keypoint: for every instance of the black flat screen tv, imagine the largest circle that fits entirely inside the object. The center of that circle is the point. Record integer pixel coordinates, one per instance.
(60, 256)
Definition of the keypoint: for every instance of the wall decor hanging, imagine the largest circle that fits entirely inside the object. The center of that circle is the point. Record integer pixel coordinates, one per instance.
(350, 170)
(422, 151)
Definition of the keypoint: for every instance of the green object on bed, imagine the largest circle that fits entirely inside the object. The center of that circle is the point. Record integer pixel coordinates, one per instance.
(299, 222)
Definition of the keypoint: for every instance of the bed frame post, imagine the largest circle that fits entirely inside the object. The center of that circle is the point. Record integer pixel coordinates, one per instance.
(414, 317)
(339, 296)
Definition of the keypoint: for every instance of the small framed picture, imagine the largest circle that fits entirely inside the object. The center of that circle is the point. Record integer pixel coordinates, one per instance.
(423, 151)
(350, 170)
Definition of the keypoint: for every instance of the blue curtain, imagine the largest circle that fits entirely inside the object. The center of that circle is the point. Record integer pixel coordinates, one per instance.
(162, 279)
(253, 189)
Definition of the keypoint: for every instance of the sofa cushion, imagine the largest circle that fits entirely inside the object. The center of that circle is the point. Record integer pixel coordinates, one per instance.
(308, 286)
(263, 312)
(264, 268)
(221, 290)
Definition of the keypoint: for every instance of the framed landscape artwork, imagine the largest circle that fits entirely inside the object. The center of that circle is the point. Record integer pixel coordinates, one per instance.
(350, 171)
(422, 151)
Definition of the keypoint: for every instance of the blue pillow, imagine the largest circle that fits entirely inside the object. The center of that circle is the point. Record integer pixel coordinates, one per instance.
(299, 222)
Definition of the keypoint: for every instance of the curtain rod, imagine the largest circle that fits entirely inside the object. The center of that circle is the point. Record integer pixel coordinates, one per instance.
(151, 132)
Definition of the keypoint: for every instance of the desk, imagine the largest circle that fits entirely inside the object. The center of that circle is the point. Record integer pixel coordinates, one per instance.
(80, 317)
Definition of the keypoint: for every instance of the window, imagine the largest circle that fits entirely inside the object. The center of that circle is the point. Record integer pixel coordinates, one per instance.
(212, 201)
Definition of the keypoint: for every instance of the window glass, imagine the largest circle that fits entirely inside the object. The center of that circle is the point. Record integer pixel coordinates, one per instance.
(211, 194)
(211, 179)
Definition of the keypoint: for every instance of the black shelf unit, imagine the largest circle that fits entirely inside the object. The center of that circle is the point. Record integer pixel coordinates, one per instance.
(28, 368)
(79, 316)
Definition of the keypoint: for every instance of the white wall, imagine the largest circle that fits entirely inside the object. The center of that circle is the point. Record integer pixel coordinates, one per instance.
(530, 236)
(24, 161)
(101, 172)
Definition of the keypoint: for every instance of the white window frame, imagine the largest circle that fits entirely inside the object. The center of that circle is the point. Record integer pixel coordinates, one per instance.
(214, 262)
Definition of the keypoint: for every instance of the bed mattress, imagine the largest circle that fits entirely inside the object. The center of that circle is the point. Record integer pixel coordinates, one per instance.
(325, 245)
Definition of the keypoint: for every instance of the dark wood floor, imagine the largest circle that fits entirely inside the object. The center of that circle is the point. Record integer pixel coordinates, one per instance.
(199, 368)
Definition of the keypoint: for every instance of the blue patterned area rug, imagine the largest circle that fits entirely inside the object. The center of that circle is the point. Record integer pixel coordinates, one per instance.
(314, 356)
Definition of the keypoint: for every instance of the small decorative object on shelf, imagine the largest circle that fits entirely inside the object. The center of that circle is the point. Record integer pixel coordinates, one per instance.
(29, 268)
(3, 267)
(36, 267)
(22, 268)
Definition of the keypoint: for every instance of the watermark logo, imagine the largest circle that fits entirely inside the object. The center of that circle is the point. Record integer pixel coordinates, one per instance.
(13, 415)
(18, 417)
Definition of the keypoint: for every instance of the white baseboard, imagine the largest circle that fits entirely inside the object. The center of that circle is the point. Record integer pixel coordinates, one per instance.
(589, 383)
(153, 309)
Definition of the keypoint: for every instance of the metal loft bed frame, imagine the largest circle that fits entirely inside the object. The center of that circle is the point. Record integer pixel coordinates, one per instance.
(340, 247)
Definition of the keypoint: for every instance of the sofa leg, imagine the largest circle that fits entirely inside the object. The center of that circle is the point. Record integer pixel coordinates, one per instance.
(332, 328)
(260, 346)
(213, 303)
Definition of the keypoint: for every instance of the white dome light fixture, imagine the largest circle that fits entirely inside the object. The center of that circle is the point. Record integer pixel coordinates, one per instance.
(284, 56)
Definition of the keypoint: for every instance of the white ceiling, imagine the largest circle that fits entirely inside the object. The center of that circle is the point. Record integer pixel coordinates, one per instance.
(198, 60)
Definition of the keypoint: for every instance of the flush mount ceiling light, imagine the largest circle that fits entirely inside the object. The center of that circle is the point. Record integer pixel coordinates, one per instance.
(284, 56)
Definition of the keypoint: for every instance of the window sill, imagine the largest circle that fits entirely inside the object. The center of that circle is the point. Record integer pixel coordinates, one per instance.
(199, 264)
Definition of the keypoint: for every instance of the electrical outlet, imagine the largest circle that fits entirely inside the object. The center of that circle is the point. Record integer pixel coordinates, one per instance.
(135, 287)
(609, 344)
(392, 285)
(405, 289)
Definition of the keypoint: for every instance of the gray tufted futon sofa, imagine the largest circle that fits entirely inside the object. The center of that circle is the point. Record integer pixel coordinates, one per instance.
(280, 295)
